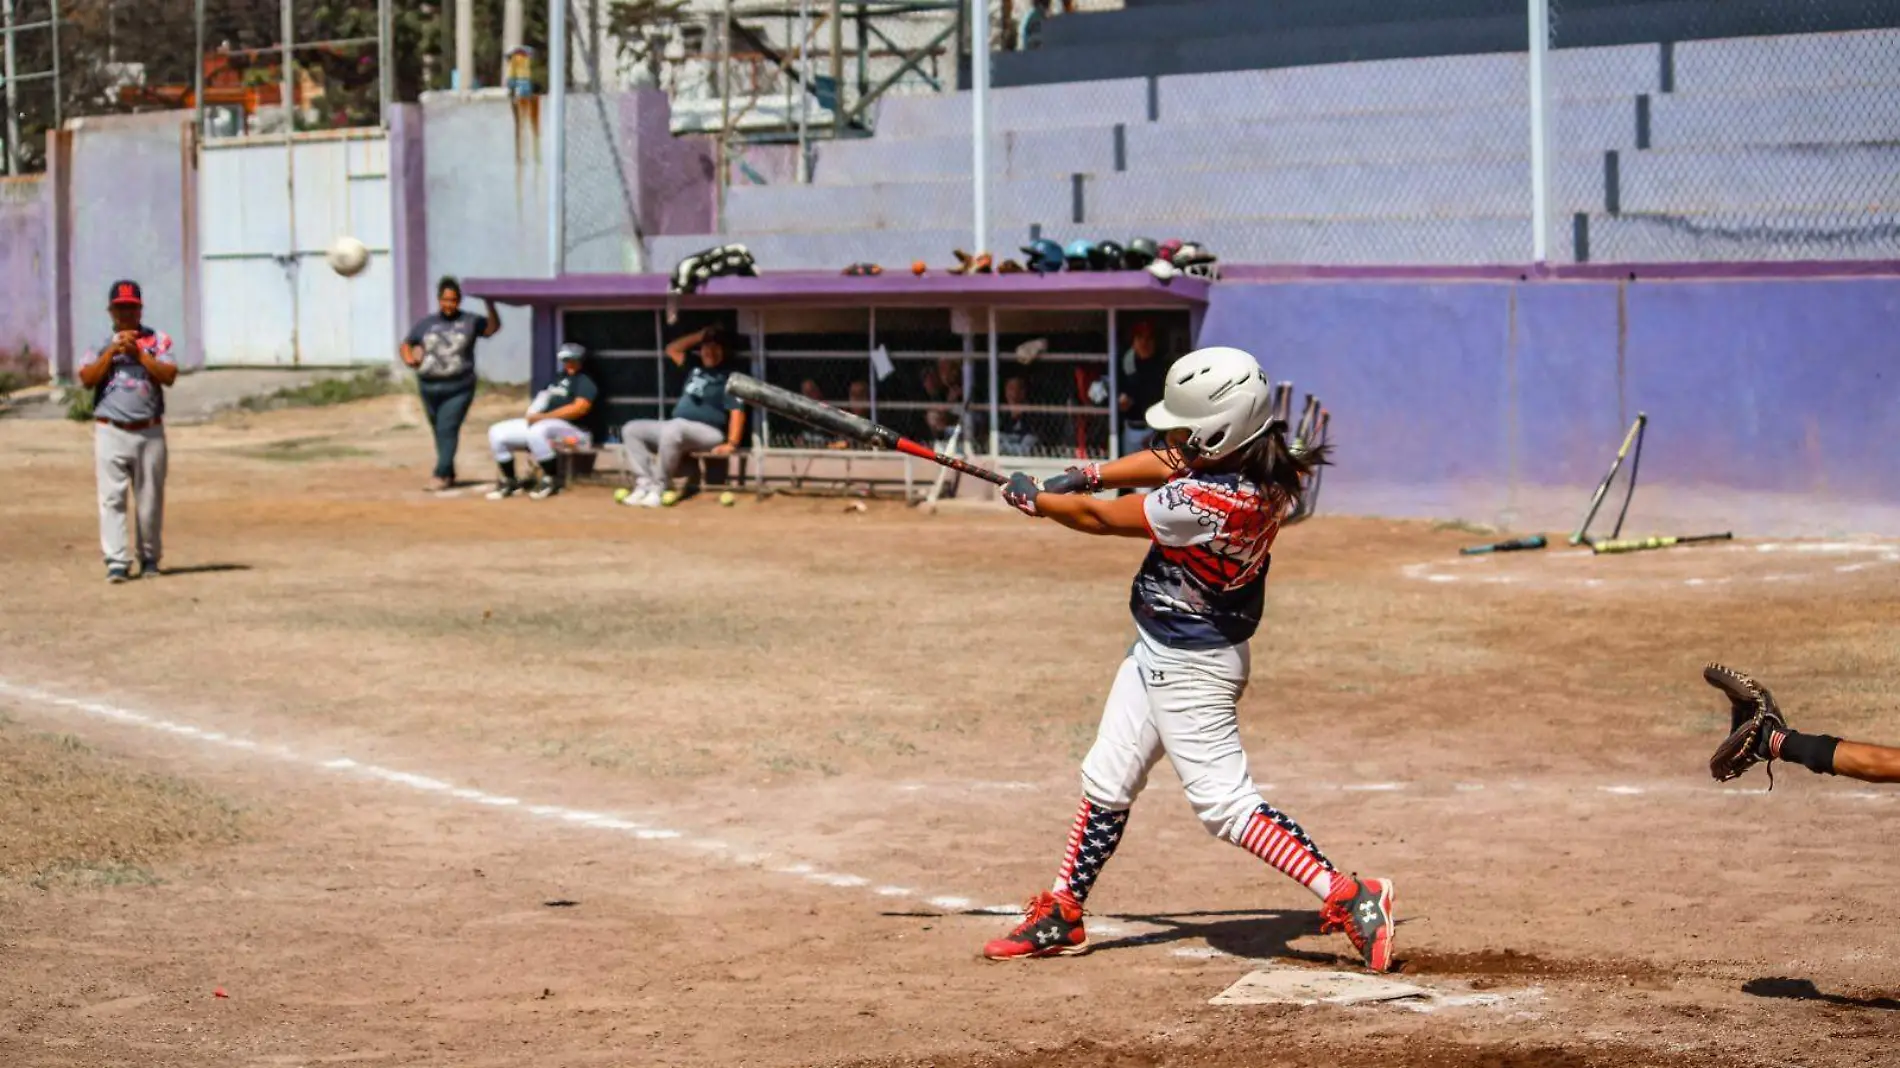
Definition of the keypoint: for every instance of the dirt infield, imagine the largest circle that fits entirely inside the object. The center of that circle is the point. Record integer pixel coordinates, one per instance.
(421, 780)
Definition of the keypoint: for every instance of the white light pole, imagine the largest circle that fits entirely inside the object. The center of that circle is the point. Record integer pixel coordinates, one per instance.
(1540, 132)
(980, 120)
(557, 120)
(13, 100)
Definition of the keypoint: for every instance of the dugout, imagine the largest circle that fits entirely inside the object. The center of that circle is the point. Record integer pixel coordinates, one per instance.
(1021, 370)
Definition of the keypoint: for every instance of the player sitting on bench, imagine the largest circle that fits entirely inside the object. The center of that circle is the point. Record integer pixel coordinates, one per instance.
(551, 420)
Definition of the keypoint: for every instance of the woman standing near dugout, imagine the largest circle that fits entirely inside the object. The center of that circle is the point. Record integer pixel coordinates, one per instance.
(1228, 479)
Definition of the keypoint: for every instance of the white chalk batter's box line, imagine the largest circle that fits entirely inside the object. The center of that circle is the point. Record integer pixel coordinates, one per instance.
(1884, 554)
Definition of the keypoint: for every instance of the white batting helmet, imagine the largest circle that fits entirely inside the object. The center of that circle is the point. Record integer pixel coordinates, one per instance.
(1220, 396)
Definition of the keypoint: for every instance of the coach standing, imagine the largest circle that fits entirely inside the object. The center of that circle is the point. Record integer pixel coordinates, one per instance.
(441, 348)
(128, 377)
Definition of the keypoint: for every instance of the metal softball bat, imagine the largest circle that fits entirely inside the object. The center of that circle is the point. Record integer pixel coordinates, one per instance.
(1533, 541)
(1636, 545)
(846, 425)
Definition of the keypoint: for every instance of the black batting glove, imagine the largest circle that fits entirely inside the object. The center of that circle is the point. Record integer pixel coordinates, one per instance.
(1076, 480)
(1021, 492)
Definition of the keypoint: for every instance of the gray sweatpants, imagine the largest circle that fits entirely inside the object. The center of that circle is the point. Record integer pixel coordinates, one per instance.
(672, 439)
(130, 461)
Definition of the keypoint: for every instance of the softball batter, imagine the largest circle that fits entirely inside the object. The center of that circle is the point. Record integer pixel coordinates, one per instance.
(1228, 478)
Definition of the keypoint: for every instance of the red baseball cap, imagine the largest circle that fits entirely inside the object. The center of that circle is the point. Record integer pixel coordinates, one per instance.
(126, 291)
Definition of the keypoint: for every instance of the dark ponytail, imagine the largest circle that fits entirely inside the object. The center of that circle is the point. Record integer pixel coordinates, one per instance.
(1272, 464)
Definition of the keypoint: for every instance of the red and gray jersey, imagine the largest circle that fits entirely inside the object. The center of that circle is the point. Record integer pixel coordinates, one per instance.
(1204, 581)
(127, 393)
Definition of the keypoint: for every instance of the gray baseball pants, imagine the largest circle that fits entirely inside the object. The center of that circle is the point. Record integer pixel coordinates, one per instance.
(130, 462)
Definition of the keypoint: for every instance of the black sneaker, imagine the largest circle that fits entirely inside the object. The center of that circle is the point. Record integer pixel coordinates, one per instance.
(546, 488)
(505, 490)
(117, 573)
(149, 569)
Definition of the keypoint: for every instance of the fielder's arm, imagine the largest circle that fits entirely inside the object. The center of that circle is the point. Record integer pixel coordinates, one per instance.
(1124, 517)
(1868, 763)
(492, 326)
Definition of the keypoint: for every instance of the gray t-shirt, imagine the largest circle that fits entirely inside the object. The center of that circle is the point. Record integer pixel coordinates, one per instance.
(448, 345)
(127, 394)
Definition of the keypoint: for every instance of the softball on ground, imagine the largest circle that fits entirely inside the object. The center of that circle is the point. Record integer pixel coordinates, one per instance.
(670, 498)
(727, 500)
(622, 494)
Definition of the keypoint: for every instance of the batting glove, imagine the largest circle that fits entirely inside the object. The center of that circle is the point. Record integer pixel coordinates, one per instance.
(1076, 480)
(1020, 493)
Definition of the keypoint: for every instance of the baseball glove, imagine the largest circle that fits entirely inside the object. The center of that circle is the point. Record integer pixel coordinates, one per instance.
(1754, 717)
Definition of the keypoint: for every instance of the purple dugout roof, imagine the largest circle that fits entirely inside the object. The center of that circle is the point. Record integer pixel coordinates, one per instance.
(818, 289)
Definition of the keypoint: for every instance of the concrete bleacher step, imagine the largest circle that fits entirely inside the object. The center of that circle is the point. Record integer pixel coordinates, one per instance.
(1718, 236)
(1766, 179)
(1383, 189)
(1861, 113)
(1437, 83)
(1040, 107)
(1790, 61)
(1486, 132)
(1013, 154)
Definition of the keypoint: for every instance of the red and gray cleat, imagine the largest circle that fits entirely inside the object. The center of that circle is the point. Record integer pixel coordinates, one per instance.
(1051, 927)
(1362, 908)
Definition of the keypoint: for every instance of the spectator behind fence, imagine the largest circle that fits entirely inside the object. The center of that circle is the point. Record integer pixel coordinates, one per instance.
(806, 437)
(128, 376)
(552, 420)
(441, 348)
(706, 419)
(1015, 436)
(1143, 377)
(1029, 30)
(943, 384)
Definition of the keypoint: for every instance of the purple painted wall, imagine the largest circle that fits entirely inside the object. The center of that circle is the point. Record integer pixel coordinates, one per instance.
(26, 326)
(1774, 405)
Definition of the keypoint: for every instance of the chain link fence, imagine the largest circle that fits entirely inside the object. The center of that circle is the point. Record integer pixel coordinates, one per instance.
(1683, 131)
(1747, 130)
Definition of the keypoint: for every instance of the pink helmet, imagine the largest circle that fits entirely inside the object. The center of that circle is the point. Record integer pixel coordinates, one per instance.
(1168, 249)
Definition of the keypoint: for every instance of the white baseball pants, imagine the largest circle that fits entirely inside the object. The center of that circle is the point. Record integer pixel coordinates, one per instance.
(1179, 702)
(538, 438)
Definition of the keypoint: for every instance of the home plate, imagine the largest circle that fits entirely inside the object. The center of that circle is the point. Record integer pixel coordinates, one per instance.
(1296, 986)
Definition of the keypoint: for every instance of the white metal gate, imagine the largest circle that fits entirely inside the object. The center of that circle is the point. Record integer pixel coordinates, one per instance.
(267, 213)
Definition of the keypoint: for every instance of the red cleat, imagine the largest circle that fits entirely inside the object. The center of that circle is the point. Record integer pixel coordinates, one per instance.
(1051, 927)
(1362, 908)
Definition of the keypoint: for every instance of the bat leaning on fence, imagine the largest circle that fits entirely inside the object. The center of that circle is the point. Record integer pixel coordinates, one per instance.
(1634, 436)
(845, 425)
(1635, 545)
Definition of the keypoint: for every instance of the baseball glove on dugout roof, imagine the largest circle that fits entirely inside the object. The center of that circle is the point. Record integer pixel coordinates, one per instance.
(1753, 718)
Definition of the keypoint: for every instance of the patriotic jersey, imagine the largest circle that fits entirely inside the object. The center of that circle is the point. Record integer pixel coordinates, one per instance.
(1204, 581)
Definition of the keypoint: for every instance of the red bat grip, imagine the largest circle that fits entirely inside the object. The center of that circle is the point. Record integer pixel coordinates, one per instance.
(924, 452)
